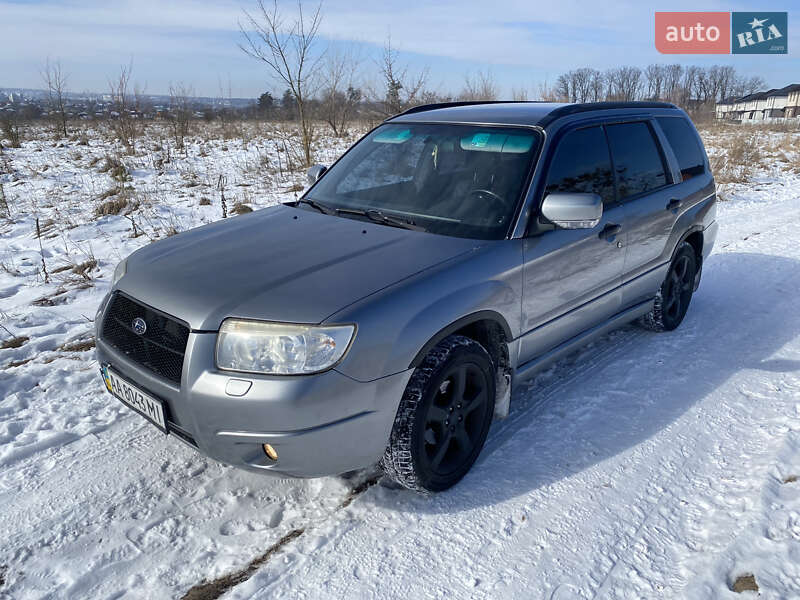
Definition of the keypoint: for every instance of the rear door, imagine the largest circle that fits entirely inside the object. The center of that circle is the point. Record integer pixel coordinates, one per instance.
(572, 277)
(645, 200)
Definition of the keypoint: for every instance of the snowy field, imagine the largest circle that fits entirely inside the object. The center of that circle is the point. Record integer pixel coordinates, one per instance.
(645, 466)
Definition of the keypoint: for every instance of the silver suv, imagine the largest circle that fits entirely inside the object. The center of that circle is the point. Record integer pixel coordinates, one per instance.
(386, 316)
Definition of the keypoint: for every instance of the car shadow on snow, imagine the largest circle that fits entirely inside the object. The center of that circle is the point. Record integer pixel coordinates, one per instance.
(619, 391)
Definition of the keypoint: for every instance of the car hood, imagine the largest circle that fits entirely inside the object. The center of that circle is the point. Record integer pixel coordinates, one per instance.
(278, 264)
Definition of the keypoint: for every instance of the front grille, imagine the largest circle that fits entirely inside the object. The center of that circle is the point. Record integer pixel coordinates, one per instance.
(160, 348)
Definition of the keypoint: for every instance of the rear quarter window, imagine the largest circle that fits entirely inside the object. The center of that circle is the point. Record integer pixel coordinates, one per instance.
(683, 139)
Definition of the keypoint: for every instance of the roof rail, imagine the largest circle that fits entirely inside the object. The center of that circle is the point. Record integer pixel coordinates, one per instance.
(561, 111)
(435, 105)
(571, 109)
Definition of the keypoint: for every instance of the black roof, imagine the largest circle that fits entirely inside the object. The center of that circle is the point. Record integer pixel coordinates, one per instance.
(784, 91)
(511, 113)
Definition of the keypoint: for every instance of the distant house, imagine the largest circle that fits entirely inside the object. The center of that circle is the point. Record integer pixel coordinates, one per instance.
(775, 104)
(793, 102)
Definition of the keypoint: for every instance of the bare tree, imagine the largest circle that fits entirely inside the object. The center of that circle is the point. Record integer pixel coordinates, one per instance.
(123, 108)
(624, 83)
(180, 108)
(401, 90)
(341, 96)
(519, 94)
(580, 85)
(10, 128)
(655, 76)
(597, 86)
(288, 51)
(748, 85)
(563, 89)
(689, 85)
(481, 86)
(55, 80)
(583, 83)
(673, 74)
(727, 79)
(547, 93)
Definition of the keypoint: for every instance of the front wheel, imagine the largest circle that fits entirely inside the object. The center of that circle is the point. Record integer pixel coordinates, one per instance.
(443, 417)
(672, 300)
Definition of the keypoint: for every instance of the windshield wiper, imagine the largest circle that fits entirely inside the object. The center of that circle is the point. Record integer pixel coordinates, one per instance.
(375, 215)
(323, 208)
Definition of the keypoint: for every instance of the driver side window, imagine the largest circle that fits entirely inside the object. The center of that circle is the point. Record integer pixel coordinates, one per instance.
(582, 164)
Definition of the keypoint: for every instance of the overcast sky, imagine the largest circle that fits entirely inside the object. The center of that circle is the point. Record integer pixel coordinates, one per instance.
(522, 42)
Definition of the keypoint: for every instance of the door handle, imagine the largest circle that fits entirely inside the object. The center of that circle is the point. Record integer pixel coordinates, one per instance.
(609, 231)
(674, 204)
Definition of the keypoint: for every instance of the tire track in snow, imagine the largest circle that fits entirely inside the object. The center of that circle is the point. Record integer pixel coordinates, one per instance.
(214, 589)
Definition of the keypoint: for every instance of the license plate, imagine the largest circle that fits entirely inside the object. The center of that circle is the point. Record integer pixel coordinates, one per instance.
(130, 395)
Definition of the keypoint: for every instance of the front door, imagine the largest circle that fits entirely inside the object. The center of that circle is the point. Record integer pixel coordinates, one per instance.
(572, 277)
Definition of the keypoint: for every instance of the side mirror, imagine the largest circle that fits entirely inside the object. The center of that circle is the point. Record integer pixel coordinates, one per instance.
(573, 211)
(314, 173)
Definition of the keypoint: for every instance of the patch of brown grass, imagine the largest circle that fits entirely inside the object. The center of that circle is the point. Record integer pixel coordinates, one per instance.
(115, 168)
(54, 300)
(77, 346)
(745, 583)
(18, 363)
(83, 269)
(241, 209)
(14, 342)
(741, 156)
(119, 201)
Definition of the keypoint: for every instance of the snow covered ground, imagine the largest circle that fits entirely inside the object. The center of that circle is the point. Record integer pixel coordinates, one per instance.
(645, 466)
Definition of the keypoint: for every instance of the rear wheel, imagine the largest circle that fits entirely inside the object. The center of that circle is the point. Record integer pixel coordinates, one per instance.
(443, 418)
(675, 294)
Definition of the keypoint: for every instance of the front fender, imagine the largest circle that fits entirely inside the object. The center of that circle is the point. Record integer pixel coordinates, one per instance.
(398, 323)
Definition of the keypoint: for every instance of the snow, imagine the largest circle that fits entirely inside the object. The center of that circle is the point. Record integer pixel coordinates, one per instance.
(644, 466)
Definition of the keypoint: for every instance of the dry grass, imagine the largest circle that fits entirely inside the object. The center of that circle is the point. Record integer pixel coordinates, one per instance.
(745, 583)
(115, 168)
(241, 209)
(14, 342)
(740, 157)
(77, 346)
(83, 269)
(114, 206)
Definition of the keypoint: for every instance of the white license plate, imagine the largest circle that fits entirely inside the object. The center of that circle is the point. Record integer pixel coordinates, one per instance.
(130, 395)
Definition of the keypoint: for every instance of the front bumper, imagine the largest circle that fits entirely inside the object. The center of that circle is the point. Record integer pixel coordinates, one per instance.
(321, 424)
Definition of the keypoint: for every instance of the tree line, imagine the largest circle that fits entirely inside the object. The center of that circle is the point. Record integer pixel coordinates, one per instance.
(690, 87)
(328, 86)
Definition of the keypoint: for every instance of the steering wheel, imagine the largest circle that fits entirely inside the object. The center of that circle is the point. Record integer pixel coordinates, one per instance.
(489, 194)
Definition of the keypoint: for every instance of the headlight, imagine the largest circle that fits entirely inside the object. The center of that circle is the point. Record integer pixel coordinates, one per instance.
(122, 268)
(279, 348)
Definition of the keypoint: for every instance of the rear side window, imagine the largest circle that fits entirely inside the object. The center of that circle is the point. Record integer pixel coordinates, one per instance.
(637, 159)
(582, 164)
(681, 136)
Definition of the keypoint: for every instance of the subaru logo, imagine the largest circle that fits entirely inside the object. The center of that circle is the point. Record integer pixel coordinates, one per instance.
(139, 325)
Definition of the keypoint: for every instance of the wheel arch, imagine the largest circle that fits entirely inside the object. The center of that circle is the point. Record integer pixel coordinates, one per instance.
(694, 237)
(491, 330)
(476, 325)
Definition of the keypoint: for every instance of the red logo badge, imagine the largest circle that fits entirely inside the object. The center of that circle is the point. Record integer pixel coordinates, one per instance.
(693, 32)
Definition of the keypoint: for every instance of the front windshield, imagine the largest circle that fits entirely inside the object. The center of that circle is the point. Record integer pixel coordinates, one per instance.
(458, 180)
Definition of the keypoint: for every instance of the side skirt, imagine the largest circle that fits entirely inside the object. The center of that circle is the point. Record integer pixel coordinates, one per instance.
(530, 368)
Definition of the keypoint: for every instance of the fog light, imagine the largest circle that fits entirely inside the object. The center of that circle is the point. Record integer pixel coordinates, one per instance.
(270, 452)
